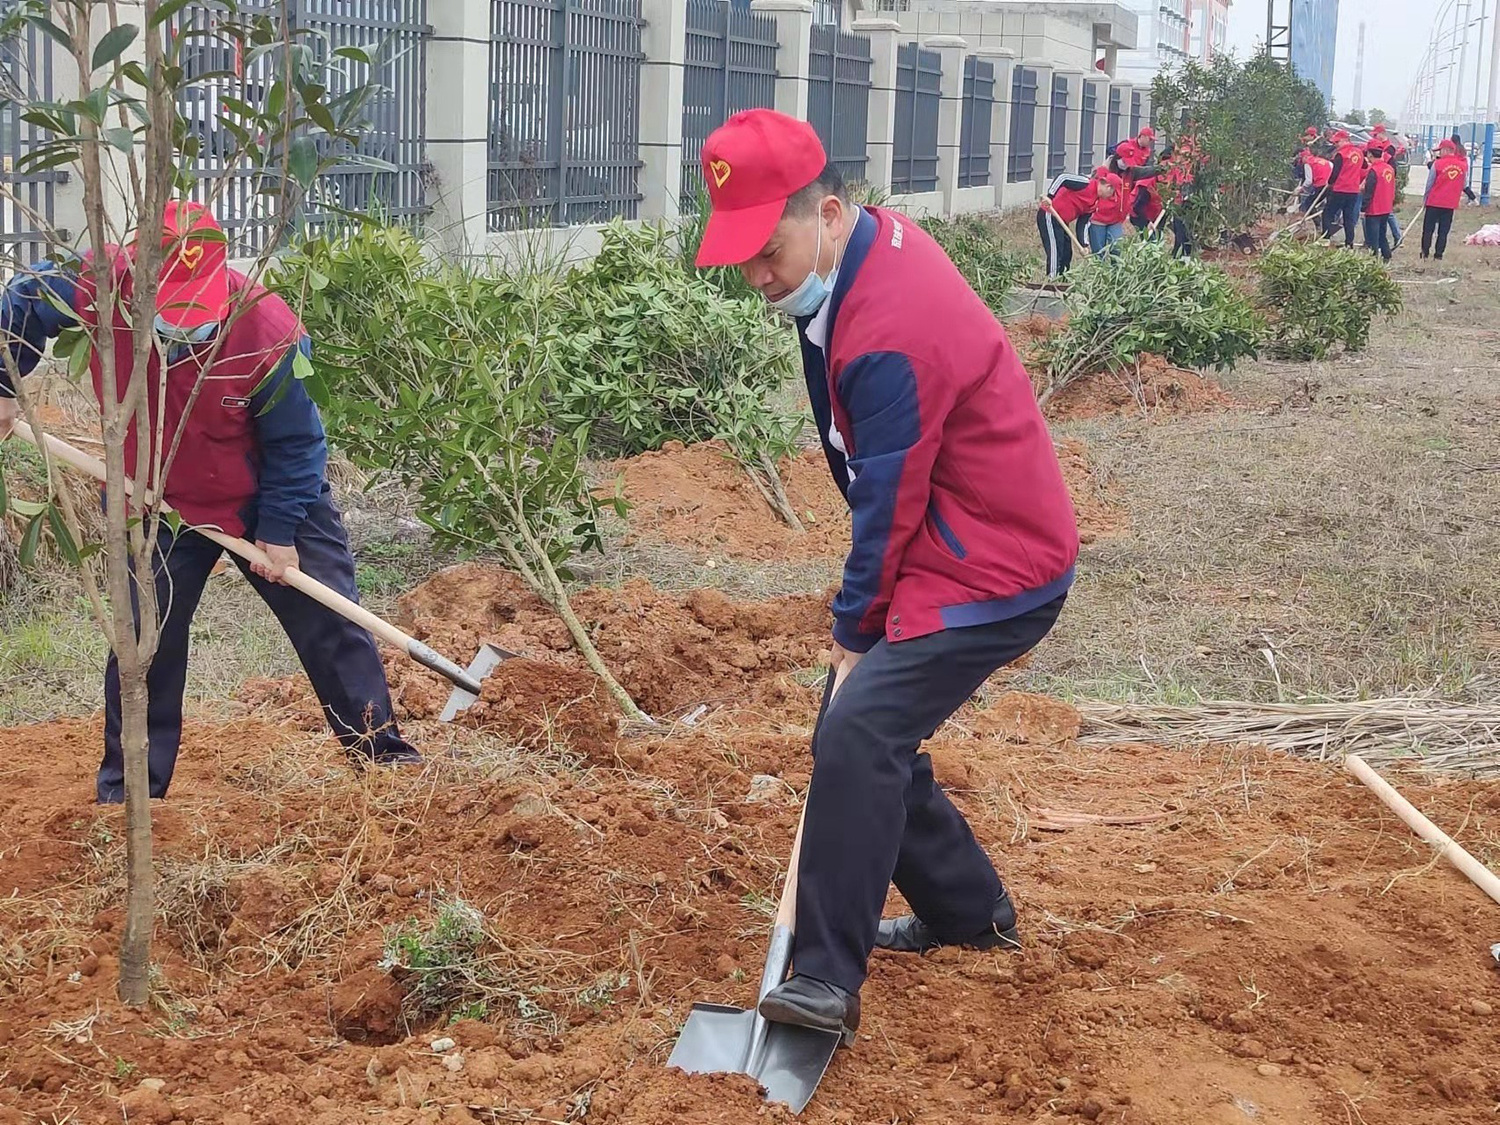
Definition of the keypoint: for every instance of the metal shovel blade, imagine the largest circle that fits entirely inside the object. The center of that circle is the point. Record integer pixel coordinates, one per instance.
(788, 1061)
(485, 662)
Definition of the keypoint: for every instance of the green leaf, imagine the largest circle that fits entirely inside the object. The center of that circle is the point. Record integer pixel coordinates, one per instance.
(61, 534)
(50, 29)
(358, 54)
(30, 540)
(113, 43)
(4, 498)
(302, 161)
(26, 509)
(317, 282)
(302, 367)
(166, 10)
(121, 138)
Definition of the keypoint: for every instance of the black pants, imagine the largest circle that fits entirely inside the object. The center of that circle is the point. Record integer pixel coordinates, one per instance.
(1342, 208)
(1439, 220)
(1378, 235)
(874, 812)
(1057, 247)
(1182, 239)
(340, 658)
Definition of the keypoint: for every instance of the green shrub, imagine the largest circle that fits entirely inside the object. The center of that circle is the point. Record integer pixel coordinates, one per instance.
(448, 382)
(1142, 300)
(991, 270)
(1318, 297)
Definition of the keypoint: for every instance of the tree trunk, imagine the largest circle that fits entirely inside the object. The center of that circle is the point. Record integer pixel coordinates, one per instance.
(140, 893)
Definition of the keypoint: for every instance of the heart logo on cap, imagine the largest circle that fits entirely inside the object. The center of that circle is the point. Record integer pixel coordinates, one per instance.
(191, 256)
(720, 170)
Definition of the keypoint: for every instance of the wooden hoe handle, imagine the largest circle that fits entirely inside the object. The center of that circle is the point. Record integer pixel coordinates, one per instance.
(1481, 876)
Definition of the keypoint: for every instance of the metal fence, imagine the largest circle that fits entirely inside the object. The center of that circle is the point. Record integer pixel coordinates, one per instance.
(1057, 128)
(1112, 122)
(564, 134)
(977, 123)
(1135, 113)
(1090, 111)
(919, 92)
(1019, 166)
(248, 203)
(731, 65)
(27, 210)
(838, 97)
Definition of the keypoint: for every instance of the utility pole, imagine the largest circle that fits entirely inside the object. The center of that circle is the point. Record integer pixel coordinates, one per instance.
(1359, 71)
(1489, 113)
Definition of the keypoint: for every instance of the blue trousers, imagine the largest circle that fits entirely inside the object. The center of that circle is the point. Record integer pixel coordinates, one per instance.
(340, 658)
(874, 813)
(1342, 209)
(1103, 236)
(1377, 235)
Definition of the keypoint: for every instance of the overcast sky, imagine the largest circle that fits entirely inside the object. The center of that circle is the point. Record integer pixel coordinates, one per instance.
(1396, 35)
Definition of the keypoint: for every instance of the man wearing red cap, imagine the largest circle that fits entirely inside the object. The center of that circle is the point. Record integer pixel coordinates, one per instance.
(963, 547)
(1379, 201)
(1447, 183)
(1345, 183)
(250, 462)
(1143, 204)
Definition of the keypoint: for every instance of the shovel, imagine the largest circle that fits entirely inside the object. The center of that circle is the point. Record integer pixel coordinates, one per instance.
(788, 1061)
(466, 681)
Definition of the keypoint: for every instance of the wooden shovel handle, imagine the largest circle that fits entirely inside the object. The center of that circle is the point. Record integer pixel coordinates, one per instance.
(345, 607)
(786, 909)
(1482, 877)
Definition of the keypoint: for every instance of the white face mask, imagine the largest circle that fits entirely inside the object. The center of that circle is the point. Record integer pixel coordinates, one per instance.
(808, 298)
(180, 341)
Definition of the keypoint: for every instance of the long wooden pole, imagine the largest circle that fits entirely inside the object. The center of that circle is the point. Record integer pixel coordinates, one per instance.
(1480, 875)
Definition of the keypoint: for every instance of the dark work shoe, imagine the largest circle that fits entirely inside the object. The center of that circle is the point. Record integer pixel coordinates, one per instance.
(807, 1002)
(909, 934)
(396, 758)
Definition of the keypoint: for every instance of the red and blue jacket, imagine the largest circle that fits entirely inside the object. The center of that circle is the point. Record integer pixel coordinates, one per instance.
(931, 428)
(252, 455)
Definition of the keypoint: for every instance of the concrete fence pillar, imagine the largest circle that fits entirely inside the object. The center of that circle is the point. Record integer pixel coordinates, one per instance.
(457, 124)
(664, 44)
(952, 49)
(880, 142)
(1073, 137)
(1004, 61)
(1042, 128)
(794, 55)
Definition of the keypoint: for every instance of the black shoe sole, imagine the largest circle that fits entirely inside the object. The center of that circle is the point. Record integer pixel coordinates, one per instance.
(775, 1011)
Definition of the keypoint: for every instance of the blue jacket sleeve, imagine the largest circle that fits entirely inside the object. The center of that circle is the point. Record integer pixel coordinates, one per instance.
(293, 452)
(896, 437)
(28, 319)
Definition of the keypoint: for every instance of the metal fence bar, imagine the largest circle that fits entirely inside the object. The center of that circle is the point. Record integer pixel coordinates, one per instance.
(564, 112)
(919, 83)
(28, 205)
(974, 130)
(1135, 113)
(838, 97)
(248, 202)
(1112, 122)
(1057, 128)
(1019, 164)
(1086, 162)
(731, 66)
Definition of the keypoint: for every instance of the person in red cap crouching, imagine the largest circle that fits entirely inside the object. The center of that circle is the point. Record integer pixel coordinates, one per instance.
(962, 553)
(250, 462)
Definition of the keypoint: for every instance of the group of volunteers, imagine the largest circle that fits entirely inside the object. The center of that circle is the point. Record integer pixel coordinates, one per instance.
(1127, 187)
(1342, 180)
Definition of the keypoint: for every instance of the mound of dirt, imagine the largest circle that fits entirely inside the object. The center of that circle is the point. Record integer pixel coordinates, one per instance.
(1027, 334)
(1099, 513)
(1160, 390)
(699, 497)
(670, 651)
(1243, 944)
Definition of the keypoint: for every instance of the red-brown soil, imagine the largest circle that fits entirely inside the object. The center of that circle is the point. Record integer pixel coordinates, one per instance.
(1272, 946)
(1161, 389)
(699, 499)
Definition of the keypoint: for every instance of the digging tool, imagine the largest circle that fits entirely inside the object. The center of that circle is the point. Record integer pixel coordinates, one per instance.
(466, 681)
(1072, 235)
(1447, 847)
(788, 1061)
(1420, 212)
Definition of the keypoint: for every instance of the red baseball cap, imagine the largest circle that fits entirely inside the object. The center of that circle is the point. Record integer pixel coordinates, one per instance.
(752, 164)
(1147, 131)
(1311, 131)
(1340, 134)
(1380, 128)
(194, 284)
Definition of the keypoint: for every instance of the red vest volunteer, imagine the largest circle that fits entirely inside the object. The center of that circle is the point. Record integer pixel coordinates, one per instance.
(250, 462)
(962, 551)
